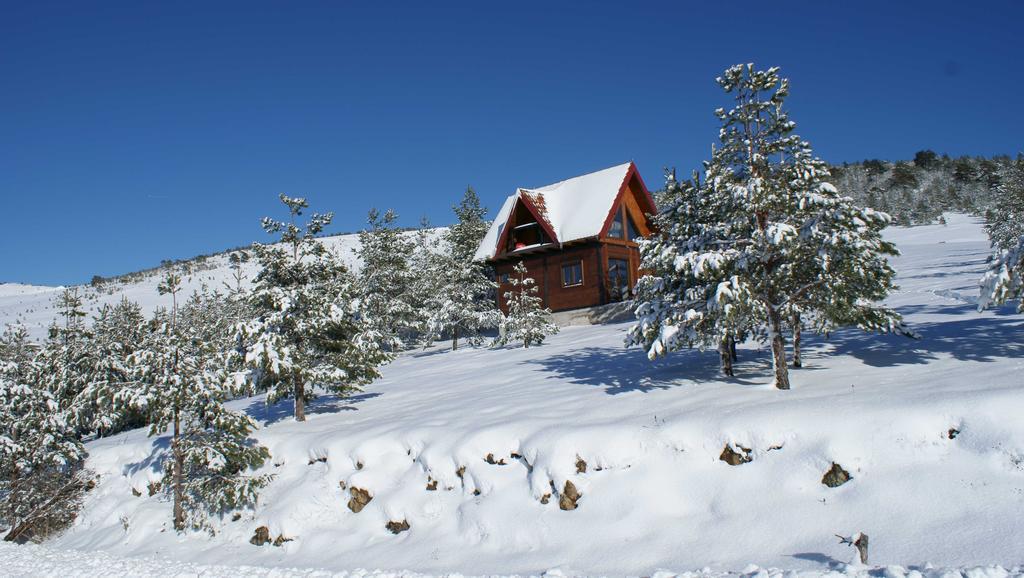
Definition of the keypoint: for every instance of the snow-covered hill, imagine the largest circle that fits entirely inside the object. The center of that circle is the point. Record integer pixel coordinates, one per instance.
(32, 305)
(929, 430)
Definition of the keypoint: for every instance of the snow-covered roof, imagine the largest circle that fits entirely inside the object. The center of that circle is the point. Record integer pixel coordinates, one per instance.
(573, 209)
(490, 242)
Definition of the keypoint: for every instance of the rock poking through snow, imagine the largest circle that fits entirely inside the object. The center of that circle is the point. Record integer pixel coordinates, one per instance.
(733, 457)
(261, 537)
(397, 527)
(835, 476)
(360, 498)
(567, 500)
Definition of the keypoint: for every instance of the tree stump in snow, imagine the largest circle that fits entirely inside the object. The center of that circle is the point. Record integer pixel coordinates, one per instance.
(858, 541)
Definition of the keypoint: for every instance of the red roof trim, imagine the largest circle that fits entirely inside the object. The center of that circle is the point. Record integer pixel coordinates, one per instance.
(528, 203)
(499, 250)
(632, 172)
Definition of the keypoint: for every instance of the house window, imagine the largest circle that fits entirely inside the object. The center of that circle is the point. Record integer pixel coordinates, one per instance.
(616, 229)
(618, 279)
(572, 274)
(631, 233)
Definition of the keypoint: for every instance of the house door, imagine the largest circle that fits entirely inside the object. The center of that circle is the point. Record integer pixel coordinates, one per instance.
(618, 279)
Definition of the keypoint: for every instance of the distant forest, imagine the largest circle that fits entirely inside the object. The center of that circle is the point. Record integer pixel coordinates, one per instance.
(917, 192)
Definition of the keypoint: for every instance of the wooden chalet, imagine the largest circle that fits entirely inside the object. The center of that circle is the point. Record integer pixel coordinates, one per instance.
(577, 238)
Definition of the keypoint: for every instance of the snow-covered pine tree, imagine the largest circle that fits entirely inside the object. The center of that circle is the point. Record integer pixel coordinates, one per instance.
(41, 477)
(67, 359)
(1006, 219)
(103, 406)
(426, 265)
(840, 270)
(768, 231)
(182, 382)
(312, 329)
(526, 321)
(462, 303)
(386, 282)
(236, 260)
(1004, 280)
(682, 307)
(465, 235)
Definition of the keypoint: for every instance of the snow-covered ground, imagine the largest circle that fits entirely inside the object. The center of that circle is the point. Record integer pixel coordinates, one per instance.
(31, 561)
(929, 429)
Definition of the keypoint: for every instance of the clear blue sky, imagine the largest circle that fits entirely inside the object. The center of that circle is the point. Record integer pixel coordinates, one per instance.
(132, 132)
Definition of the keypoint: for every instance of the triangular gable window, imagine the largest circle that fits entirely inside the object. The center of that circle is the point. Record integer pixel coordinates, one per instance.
(616, 230)
(623, 227)
(631, 232)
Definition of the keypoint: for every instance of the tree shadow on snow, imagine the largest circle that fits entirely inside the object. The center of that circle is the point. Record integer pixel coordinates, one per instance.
(819, 558)
(626, 370)
(284, 409)
(160, 446)
(964, 337)
(430, 352)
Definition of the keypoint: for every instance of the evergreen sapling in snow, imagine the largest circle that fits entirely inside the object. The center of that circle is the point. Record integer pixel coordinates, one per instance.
(182, 381)
(67, 360)
(103, 406)
(312, 329)
(462, 303)
(527, 320)
(42, 481)
(386, 281)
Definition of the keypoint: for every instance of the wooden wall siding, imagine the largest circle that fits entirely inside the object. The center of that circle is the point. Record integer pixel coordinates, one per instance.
(546, 269)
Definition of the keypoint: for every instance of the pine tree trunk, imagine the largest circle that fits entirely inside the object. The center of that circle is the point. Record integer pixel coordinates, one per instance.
(179, 466)
(732, 349)
(300, 401)
(796, 339)
(14, 497)
(455, 338)
(725, 355)
(778, 349)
